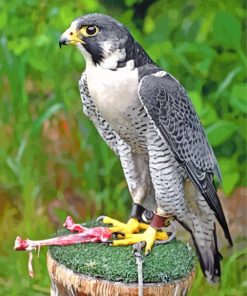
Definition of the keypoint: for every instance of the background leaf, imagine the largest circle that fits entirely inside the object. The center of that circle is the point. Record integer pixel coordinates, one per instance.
(238, 98)
(227, 29)
(220, 131)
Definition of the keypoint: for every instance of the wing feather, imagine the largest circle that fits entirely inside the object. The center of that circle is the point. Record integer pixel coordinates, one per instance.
(174, 117)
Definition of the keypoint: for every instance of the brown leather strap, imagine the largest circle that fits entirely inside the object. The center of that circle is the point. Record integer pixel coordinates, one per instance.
(159, 221)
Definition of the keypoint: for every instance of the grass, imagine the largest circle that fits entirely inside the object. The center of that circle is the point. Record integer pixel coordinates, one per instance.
(165, 263)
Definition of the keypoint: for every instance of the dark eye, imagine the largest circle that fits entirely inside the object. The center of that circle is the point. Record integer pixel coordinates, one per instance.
(91, 30)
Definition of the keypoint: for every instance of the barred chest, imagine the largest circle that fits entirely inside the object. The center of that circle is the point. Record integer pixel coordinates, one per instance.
(115, 95)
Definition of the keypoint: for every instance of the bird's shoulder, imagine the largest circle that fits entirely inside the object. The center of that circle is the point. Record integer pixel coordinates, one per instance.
(158, 86)
(170, 108)
(153, 78)
(147, 69)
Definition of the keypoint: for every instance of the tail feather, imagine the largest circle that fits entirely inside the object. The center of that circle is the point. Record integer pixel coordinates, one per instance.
(203, 208)
(207, 188)
(209, 258)
(205, 242)
(213, 200)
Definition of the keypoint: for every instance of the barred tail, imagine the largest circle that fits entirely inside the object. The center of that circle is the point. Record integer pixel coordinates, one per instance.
(205, 241)
(209, 257)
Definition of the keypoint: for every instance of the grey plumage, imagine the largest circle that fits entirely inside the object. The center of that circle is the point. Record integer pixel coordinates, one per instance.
(146, 117)
(173, 114)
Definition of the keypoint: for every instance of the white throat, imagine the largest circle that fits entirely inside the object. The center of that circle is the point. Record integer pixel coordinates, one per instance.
(113, 92)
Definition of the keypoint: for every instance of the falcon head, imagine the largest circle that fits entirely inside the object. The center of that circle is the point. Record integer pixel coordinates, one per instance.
(100, 38)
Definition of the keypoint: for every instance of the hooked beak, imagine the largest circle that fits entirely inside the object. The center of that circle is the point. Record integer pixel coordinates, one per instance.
(70, 36)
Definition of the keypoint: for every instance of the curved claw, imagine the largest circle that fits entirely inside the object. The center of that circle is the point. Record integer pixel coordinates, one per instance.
(149, 236)
(171, 232)
(100, 218)
(117, 234)
(170, 238)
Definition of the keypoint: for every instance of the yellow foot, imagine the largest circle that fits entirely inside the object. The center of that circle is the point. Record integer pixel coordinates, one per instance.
(132, 226)
(149, 236)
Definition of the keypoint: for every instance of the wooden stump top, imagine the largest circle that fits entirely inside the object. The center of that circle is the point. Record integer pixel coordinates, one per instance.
(64, 282)
(102, 270)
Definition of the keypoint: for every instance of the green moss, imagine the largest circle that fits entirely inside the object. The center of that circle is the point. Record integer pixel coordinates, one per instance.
(165, 263)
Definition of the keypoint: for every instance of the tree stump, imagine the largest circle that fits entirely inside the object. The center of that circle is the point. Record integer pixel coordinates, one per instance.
(102, 270)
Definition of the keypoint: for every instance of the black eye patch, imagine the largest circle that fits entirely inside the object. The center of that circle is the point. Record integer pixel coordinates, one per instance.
(95, 50)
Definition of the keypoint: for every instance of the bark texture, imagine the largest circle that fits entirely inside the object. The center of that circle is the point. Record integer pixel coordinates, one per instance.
(64, 282)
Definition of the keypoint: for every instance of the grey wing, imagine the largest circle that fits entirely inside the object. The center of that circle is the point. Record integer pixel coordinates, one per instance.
(175, 119)
(90, 110)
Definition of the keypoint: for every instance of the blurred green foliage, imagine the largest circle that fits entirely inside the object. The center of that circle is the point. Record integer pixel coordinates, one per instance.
(47, 146)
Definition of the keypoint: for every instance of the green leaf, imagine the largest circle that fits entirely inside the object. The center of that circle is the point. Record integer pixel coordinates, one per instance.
(220, 131)
(230, 174)
(149, 25)
(229, 181)
(227, 81)
(197, 101)
(208, 115)
(18, 46)
(3, 18)
(227, 30)
(38, 62)
(131, 2)
(238, 99)
(45, 115)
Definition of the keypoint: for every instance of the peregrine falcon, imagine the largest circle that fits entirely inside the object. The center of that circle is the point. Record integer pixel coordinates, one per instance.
(146, 117)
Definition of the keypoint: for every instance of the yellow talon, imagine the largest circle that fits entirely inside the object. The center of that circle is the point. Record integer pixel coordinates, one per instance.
(161, 235)
(143, 226)
(149, 236)
(114, 222)
(132, 226)
(132, 233)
